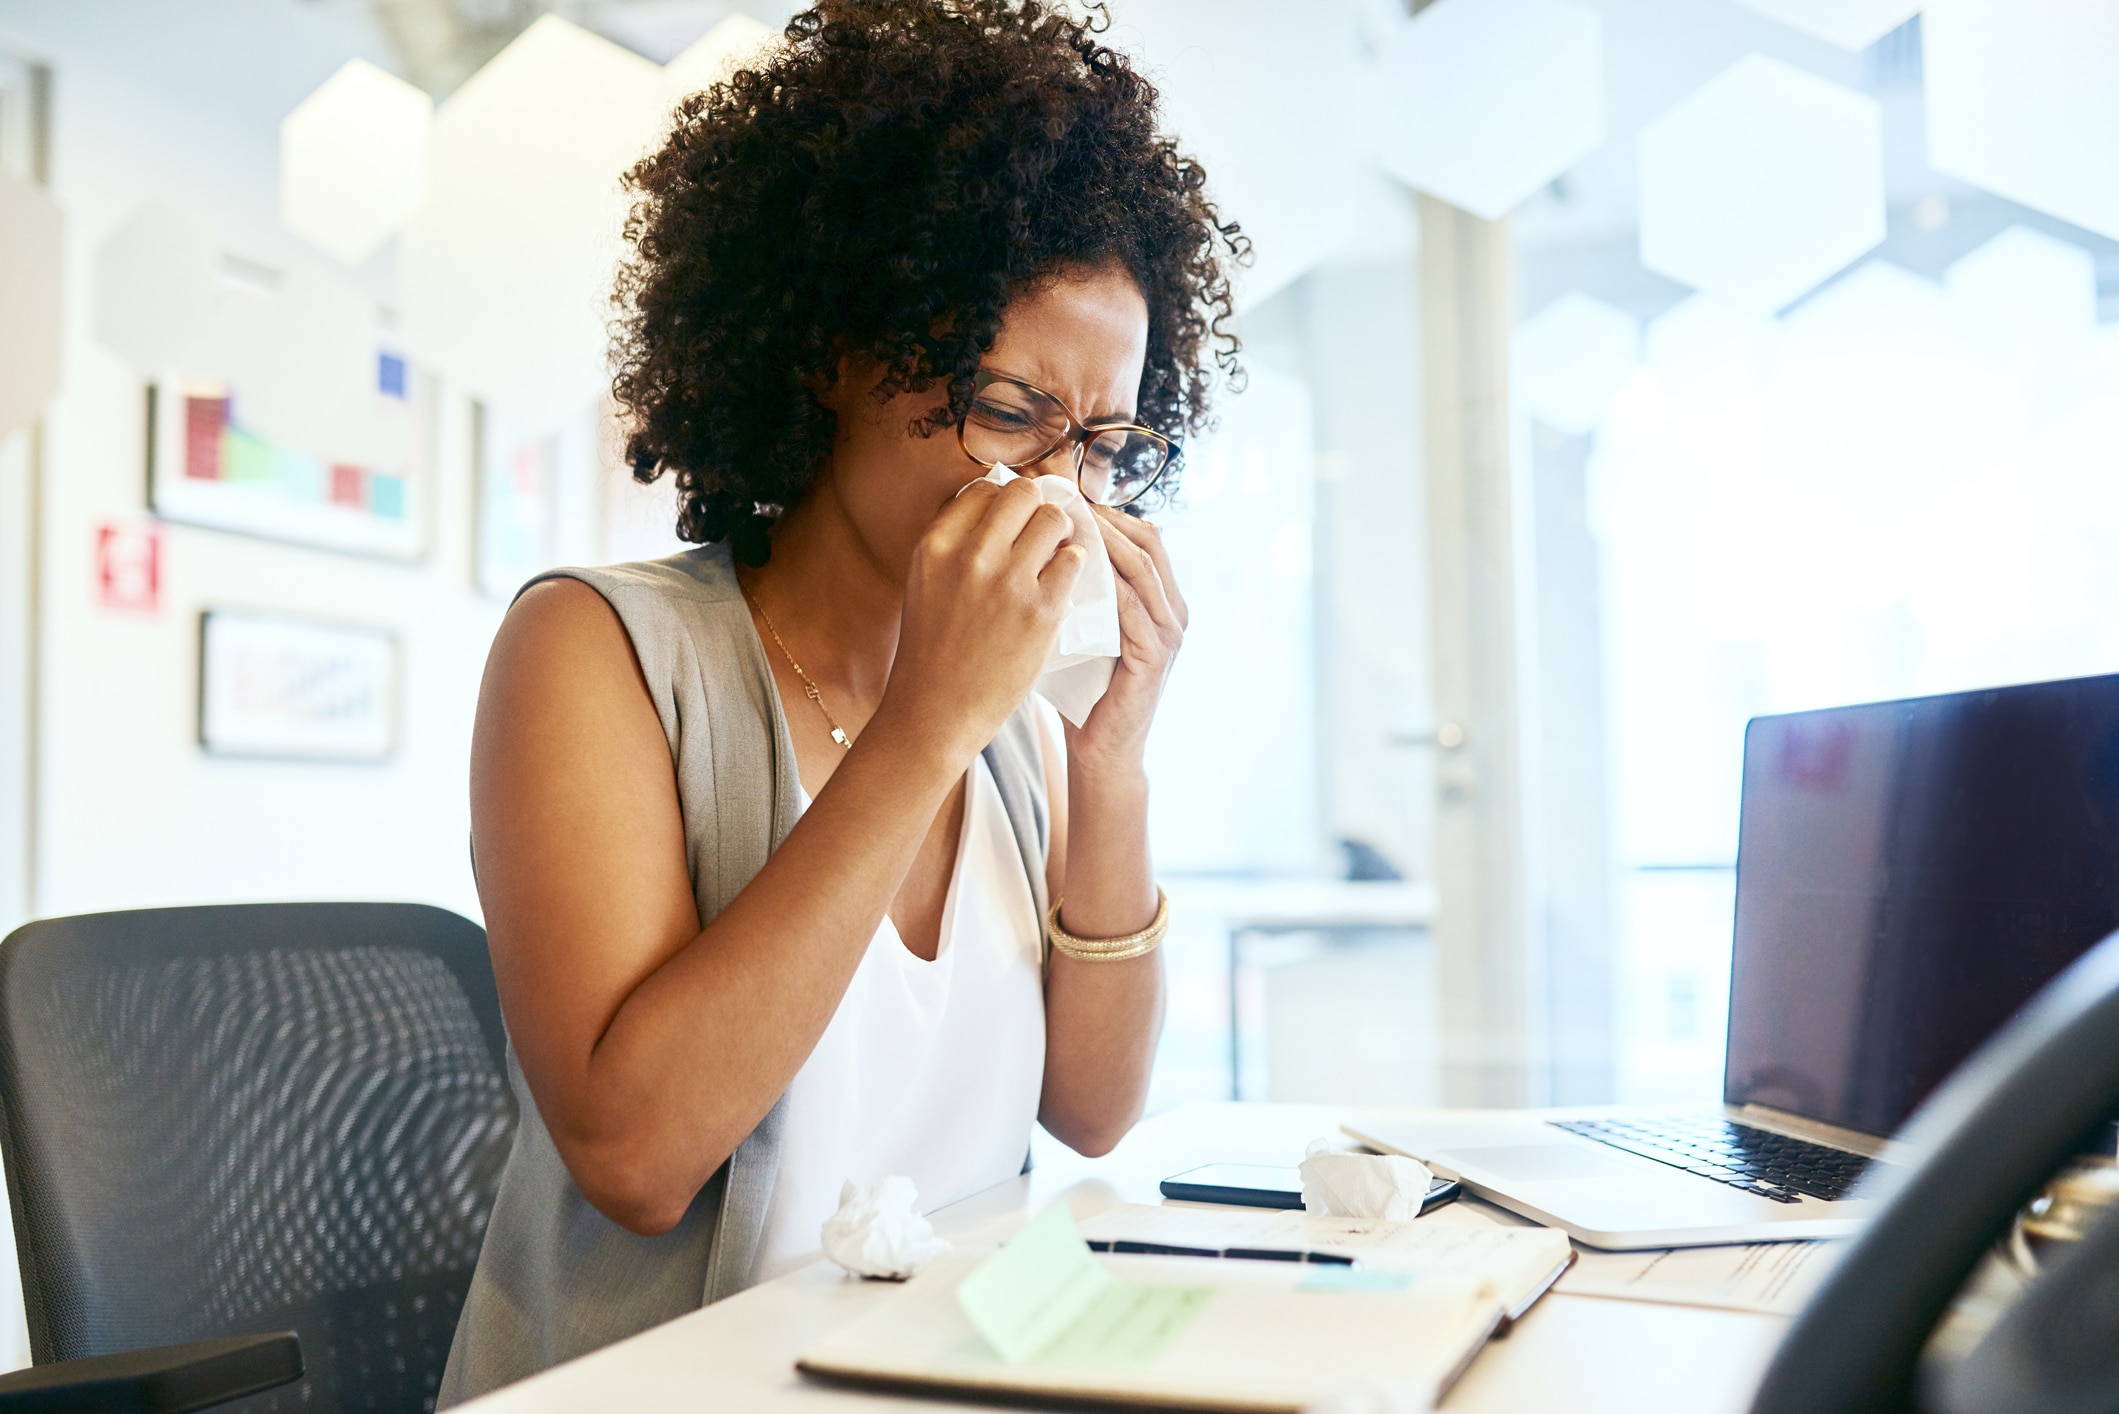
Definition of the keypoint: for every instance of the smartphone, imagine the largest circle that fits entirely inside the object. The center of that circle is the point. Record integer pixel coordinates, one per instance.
(1264, 1186)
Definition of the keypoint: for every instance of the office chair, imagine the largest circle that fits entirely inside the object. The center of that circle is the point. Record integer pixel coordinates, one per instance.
(236, 1121)
(1986, 1142)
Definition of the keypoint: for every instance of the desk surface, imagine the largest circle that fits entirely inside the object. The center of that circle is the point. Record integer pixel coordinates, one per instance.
(1582, 1354)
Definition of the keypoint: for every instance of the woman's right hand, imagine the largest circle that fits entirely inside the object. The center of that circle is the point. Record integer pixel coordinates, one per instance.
(983, 603)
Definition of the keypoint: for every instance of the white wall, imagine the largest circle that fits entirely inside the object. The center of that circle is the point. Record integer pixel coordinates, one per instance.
(157, 101)
(153, 100)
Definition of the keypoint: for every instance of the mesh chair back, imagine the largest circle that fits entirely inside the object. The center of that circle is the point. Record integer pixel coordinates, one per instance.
(265, 1117)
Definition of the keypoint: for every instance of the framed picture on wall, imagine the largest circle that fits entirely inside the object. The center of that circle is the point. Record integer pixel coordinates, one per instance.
(517, 491)
(208, 465)
(287, 686)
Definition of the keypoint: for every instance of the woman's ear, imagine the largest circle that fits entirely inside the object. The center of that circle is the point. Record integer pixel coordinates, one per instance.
(828, 384)
(849, 387)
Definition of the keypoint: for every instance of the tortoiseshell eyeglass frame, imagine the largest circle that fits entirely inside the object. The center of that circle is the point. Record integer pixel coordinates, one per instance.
(1075, 435)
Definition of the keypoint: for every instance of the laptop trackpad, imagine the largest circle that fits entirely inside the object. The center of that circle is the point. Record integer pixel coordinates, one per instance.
(1526, 1162)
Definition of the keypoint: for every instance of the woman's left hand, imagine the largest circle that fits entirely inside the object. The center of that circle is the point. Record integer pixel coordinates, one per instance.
(1151, 625)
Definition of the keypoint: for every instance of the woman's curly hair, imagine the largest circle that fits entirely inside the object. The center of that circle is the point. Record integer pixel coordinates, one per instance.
(881, 184)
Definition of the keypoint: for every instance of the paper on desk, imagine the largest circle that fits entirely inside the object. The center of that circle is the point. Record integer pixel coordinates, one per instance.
(1450, 1249)
(1772, 1277)
(1043, 1297)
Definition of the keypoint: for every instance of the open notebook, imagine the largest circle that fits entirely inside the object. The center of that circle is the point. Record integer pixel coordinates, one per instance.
(1518, 1264)
(1047, 1317)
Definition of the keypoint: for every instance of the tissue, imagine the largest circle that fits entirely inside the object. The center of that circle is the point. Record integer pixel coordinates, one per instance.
(1342, 1184)
(876, 1233)
(1078, 671)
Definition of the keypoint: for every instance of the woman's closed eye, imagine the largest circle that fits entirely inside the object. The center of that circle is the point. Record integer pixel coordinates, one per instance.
(1002, 418)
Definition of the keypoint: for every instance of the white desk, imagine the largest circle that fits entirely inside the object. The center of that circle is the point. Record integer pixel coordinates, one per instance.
(1579, 1354)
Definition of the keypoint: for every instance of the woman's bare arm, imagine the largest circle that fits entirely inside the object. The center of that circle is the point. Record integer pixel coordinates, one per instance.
(652, 1046)
(1102, 1018)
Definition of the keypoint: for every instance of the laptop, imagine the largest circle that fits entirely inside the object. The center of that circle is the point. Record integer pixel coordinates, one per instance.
(1908, 875)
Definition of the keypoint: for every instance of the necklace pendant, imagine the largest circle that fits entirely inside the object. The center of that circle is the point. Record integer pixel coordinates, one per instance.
(838, 734)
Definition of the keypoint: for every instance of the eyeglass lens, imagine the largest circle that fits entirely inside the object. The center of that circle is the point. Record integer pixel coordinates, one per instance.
(1017, 425)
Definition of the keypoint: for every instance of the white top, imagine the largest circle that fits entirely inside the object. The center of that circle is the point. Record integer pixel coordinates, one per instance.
(928, 1069)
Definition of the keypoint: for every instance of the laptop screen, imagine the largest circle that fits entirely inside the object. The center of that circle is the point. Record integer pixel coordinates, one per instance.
(1908, 875)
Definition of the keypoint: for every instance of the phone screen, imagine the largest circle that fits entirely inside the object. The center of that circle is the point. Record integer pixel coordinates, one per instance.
(1263, 1186)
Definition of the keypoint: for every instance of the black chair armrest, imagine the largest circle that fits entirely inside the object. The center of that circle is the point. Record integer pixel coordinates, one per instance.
(168, 1379)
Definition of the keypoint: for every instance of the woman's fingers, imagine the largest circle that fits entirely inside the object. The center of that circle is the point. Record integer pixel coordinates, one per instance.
(983, 522)
(1056, 580)
(960, 516)
(1137, 629)
(1046, 529)
(1144, 535)
(1138, 569)
(1010, 509)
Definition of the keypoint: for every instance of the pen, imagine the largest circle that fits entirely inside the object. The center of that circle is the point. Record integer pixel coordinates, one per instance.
(1247, 1254)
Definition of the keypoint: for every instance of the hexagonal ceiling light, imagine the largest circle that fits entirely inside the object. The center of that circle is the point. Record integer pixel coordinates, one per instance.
(505, 273)
(353, 160)
(32, 232)
(2021, 100)
(1483, 102)
(1706, 354)
(2024, 294)
(718, 53)
(1760, 183)
(1850, 24)
(154, 285)
(1569, 360)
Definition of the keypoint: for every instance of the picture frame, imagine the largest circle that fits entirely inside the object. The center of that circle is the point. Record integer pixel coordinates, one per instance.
(205, 467)
(290, 687)
(516, 491)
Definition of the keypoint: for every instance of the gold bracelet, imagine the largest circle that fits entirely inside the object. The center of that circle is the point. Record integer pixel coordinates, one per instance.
(1139, 944)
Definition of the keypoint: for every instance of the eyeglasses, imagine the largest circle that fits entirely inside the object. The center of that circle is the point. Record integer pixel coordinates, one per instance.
(1017, 425)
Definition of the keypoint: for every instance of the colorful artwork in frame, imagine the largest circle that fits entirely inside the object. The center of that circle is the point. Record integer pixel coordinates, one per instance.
(208, 466)
(518, 483)
(288, 686)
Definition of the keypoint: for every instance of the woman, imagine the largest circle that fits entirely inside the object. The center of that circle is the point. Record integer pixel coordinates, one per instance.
(765, 832)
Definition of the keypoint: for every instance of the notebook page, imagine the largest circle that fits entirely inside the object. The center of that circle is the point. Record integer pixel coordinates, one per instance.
(1516, 1261)
(1260, 1342)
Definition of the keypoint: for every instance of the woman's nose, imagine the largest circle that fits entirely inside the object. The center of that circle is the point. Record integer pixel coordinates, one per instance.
(1064, 460)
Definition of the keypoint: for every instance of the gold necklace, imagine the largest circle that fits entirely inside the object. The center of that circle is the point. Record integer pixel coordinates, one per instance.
(809, 684)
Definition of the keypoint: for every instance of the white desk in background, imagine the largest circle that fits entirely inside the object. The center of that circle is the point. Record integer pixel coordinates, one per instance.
(1264, 908)
(1584, 1355)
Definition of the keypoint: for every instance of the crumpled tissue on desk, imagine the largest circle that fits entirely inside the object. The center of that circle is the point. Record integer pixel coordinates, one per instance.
(876, 1233)
(1340, 1183)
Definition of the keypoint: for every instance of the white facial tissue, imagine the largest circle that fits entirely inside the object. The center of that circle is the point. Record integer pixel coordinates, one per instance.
(1079, 669)
(1342, 1184)
(876, 1233)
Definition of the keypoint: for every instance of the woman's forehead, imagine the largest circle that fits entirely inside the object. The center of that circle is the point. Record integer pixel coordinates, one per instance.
(1083, 339)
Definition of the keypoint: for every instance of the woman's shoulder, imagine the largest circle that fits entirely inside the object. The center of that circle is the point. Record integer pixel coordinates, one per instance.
(704, 575)
(679, 617)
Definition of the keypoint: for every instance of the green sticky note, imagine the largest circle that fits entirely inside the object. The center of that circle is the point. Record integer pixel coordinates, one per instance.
(1355, 1279)
(1024, 1295)
(1127, 1324)
(1043, 1297)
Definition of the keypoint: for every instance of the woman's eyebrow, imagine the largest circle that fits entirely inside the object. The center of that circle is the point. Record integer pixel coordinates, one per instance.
(1048, 381)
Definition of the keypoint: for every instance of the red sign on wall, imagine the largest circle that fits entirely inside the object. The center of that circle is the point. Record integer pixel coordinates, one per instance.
(129, 566)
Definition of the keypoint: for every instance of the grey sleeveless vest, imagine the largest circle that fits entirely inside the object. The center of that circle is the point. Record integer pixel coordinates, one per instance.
(556, 1278)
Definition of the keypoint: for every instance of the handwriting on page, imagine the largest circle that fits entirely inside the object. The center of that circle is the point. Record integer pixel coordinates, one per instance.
(1043, 1298)
(1776, 1277)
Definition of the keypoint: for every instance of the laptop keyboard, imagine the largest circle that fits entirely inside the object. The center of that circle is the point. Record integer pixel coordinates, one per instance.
(1755, 1160)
